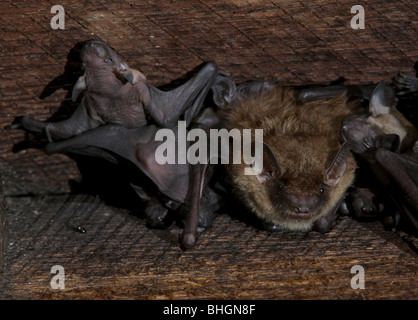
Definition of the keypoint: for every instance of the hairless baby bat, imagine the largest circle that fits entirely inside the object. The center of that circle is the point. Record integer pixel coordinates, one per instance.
(115, 94)
(119, 115)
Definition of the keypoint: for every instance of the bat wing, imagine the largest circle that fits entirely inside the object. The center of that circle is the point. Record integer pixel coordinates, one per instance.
(137, 145)
(80, 121)
(167, 107)
(95, 153)
(402, 169)
(224, 92)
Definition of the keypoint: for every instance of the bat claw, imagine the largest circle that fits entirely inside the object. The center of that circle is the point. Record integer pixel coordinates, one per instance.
(50, 149)
(406, 83)
(17, 124)
(224, 73)
(48, 135)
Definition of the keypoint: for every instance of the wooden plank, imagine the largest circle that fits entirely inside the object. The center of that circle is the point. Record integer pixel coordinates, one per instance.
(118, 257)
(295, 43)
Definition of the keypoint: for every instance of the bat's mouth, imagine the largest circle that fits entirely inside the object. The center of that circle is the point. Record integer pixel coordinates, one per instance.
(301, 215)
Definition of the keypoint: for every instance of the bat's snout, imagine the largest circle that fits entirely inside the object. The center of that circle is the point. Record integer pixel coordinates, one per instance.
(125, 72)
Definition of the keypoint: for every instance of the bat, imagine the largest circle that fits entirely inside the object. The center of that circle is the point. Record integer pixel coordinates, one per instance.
(285, 195)
(306, 170)
(119, 116)
(113, 93)
(387, 142)
(184, 188)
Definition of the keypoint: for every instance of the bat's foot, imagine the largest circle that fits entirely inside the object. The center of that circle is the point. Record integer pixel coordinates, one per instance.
(28, 124)
(364, 204)
(158, 216)
(326, 223)
(406, 83)
(391, 220)
(210, 203)
(52, 148)
(206, 217)
(270, 227)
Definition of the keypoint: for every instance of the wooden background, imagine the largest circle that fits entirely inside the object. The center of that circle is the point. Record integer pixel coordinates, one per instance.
(118, 257)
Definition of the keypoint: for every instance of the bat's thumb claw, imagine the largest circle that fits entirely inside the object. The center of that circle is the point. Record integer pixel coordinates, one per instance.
(13, 126)
(188, 240)
(17, 124)
(224, 73)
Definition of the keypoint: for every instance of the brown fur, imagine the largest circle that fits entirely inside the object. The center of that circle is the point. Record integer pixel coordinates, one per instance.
(305, 139)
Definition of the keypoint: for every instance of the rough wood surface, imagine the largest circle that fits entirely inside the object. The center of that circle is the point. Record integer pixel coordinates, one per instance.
(118, 257)
(293, 42)
(3, 226)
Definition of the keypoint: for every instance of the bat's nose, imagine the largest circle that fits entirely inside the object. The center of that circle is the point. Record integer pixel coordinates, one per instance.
(125, 72)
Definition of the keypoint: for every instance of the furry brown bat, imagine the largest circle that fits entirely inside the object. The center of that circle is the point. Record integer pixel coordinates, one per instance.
(296, 159)
(115, 94)
(306, 170)
(388, 143)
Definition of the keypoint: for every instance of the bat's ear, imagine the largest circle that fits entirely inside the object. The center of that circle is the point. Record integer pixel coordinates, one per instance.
(223, 91)
(382, 99)
(140, 192)
(79, 87)
(271, 165)
(338, 166)
(100, 50)
(391, 142)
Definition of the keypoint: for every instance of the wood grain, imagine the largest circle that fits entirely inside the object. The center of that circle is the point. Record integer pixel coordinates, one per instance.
(3, 226)
(118, 257)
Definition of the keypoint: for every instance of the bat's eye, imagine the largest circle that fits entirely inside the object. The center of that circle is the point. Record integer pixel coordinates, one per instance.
(281, 184)
(321, 189)
(108, 60)
(368, 143)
